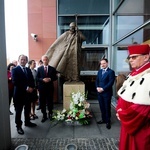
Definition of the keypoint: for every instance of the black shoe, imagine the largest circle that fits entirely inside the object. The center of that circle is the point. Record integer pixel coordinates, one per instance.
(50, 116)
(30, 124)
(101, 122)
(44, 119)
(38, 108)
(20, 130)
(35, 116)
(108, 125)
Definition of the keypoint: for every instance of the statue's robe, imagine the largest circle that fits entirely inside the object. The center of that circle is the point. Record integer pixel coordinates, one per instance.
(64, 54)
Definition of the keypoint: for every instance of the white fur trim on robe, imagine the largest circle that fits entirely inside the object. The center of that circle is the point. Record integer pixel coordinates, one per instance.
(136, 88)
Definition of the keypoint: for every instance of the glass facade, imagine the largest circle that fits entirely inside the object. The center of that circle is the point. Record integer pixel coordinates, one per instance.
(83, 7)
(95, 28)
(93, 22)
(126, 24)
(109, 27)
(90, 58)
(131, 25)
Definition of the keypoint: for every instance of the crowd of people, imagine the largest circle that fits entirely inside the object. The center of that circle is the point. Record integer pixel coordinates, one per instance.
(28, 85)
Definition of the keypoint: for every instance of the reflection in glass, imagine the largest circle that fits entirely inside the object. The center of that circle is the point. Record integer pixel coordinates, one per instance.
(122, 65)
(126, 24)
(90, 59)
(116, 3)
(94, 28)
(141, 36)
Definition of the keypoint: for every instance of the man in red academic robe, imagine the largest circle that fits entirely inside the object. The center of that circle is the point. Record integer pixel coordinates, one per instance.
(133, 108)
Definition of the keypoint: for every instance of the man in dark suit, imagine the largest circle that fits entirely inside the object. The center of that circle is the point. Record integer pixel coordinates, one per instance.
(46, 74)
(104, 82)
(23, 85)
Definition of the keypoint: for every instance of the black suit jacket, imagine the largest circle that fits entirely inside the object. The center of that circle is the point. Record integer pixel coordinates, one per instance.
(21, 81)
(52, 73)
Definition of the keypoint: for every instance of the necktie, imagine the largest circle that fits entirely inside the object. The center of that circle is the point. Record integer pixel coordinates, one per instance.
(45, 71)
(24, 70)
(103, 71)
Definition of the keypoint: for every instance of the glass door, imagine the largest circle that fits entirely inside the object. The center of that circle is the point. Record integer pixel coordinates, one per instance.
(89, 68)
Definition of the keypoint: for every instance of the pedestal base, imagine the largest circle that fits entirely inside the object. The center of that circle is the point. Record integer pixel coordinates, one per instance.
(68, 88)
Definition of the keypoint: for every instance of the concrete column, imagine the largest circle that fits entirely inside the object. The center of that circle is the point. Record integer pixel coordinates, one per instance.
(5, 134)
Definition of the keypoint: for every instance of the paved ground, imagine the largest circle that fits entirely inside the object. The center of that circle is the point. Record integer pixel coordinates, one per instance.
(60, 144)
(52, 136)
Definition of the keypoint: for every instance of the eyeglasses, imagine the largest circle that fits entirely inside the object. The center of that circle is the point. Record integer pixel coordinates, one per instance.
(134, 57)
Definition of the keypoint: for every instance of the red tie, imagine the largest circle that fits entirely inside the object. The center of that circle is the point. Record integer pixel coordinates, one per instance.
(45, 71)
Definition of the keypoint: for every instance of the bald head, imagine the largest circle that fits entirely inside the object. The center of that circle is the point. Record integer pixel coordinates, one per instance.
(72, 27)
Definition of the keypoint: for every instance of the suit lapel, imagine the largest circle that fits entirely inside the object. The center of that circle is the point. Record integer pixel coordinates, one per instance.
(48, 70)
(43, 71)
(22, 73)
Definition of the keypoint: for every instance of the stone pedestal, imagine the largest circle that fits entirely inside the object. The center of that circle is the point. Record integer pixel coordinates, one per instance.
(68, 88)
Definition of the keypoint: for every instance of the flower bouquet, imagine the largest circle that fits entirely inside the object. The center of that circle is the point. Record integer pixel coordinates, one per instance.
(78, 111)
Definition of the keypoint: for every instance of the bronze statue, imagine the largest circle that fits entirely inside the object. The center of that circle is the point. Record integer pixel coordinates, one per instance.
(64, 54)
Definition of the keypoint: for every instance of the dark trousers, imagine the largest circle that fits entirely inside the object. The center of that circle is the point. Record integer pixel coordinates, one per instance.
(105, 107)
(11, 92)
(46, 98)
(26, 104)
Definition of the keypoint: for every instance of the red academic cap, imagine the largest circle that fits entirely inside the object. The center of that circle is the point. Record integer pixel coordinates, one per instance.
(139, 49)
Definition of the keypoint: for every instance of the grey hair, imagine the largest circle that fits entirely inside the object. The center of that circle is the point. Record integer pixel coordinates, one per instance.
(44, 56)
(24, 56)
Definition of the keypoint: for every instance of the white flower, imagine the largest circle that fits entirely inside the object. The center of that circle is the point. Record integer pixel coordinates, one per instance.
(70, 112)
(75, 99)
(73, 115)
(76, 118)
(63, 111)
(82, 111)
(80, 104)
(71, 105)
(78, 95)
(82, 99)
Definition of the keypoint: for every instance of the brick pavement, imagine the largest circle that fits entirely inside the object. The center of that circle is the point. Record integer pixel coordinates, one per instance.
(60, 143)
